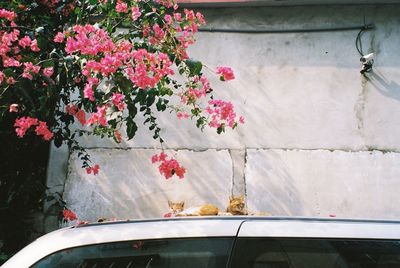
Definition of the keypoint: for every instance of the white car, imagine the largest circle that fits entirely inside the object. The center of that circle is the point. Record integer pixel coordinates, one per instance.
(237, 242)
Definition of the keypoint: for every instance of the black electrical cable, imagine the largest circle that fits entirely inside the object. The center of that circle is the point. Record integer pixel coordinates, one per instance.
(358, 43)
(266, 31)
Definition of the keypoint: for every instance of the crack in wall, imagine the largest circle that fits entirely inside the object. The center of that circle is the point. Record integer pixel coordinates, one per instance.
(359, 107)
(233, 172)
(244, 178)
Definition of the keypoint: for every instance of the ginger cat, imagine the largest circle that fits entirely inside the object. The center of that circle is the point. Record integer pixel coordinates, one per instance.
(177, 209)
(236, 206)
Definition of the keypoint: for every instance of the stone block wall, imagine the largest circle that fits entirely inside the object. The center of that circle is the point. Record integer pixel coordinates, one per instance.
(319, 139)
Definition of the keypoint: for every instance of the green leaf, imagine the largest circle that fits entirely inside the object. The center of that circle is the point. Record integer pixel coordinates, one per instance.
(132, 109)
(42, 43)
(48, 63)
(141, 96)
(58, 139)
(194, 66)
(131, 128)
(124, 83)
(150, 100)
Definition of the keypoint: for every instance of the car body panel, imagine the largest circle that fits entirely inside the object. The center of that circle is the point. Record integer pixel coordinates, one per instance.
(191, 227)
(321, 228)
(121, 231)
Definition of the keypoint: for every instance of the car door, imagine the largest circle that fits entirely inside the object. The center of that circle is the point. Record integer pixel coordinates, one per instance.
(183, 242)
(315, 244)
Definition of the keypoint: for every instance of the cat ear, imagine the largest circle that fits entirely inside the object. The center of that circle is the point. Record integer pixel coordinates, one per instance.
(169, 203)
(183, 203)
(230, 198)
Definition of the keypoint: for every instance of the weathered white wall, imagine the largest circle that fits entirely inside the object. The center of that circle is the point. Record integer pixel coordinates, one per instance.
(319, 137)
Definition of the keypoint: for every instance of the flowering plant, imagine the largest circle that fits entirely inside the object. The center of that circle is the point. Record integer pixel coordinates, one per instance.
(100, 63)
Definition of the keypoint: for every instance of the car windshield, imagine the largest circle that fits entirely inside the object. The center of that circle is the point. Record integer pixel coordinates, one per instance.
(315, 253)
(193, 252)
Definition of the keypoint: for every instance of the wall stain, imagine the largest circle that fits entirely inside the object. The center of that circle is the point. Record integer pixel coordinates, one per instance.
(359, 107)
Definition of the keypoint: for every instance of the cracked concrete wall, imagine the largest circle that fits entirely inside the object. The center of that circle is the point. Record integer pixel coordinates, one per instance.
(319, 139)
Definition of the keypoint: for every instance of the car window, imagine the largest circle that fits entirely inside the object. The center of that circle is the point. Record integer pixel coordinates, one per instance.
(194, 252)
(315, 253)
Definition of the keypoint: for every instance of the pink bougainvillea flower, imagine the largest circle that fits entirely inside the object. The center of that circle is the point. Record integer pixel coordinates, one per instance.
(135, 13)
(81, 116)
(69, 215)
(43, 130)
(98, 117)
(25, 41)
(168, 215)
(30, 68)
(117, 136)
(22, 124)
(34, 46)
(81, 222)
(9, 15)
(225, 73)
(10, 80)
(13, 108)
(48, 71)
(94, 169)
(168, 167)
(121, 7)
(117, 100)
(71, 109)
(154, 158)
(222, 113)
(59, 38)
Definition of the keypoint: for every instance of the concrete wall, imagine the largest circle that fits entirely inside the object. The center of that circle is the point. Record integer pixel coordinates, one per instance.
(319, 139)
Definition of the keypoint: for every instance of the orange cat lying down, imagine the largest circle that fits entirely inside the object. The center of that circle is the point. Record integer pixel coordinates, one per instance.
(236, 206)
(177, 209)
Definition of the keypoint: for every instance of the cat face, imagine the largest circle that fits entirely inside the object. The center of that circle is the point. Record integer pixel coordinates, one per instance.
(236, 203)
(176, 207)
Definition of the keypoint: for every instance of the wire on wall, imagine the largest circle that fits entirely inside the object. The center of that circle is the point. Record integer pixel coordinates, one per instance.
(271, 31)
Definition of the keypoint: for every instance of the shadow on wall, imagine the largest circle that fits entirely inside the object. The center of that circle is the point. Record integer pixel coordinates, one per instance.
(135, 189)
(390, 89)
(270, 188)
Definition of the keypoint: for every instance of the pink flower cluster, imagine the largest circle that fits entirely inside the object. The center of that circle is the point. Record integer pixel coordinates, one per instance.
(29, 69)
(135, 13)
(99, 117)
(72, 109)
(168, 167)
(42, 129)
(8, 15)
(94, 169)
(69, 215)
(48, 71)
(22, 125)
(121, 7)
(117, 100)
(185, 28)
(88, 90)
(148, 68)
(12, 47)
(88, 40)
(198, 88)
(225, 73)
(222, 113)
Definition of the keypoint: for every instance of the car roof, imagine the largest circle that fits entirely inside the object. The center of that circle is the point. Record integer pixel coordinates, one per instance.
(184, 227)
